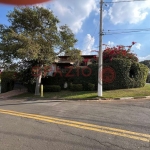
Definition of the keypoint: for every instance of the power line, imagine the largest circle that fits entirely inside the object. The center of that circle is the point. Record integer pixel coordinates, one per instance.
(126, 1)
(123, 31)
(107, 33)
(132, 31)
(129, 29)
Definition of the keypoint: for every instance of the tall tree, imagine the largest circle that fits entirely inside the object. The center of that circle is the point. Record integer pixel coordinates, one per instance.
(34, 35)
(146, 62)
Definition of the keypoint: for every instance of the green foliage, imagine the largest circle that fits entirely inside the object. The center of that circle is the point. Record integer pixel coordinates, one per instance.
(74, 56)
(84, 76)
(76, 87)
(30, 87)
(128, 74)
(76, 76)
(46, 88)
(7, 85)
(25, 74)
(148, 78)
(57, 80)
(8, 74)
(146, 62)
(52, 88)
(7, 81)
(91, 87)
(33, 35)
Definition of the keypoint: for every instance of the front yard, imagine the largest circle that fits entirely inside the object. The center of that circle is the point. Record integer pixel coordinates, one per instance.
(135, 92)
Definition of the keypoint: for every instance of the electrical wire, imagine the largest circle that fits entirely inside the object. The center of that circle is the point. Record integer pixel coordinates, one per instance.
(126, 1)
(110, 33)
(126, 31)
(107, 33)
(129, 29)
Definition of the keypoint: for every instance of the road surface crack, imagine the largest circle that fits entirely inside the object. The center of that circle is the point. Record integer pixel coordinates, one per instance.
(105, 144)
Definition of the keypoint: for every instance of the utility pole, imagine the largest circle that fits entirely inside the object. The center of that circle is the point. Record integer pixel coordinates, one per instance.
(100, 58)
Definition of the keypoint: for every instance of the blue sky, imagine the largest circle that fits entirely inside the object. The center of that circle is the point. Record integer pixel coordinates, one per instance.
(82, 16)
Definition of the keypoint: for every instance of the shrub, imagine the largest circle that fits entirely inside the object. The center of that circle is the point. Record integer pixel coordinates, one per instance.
(7, 81)
(52, 88)
(91, 87)
(76, 87)
(84, 80)
(119, 51)
(148, 78)
(128, 74)
(30, 88)
(6, 85)
(85, 85)
(46, 88)
(57, 80)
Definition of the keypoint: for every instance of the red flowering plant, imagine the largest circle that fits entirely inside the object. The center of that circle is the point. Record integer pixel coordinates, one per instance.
(119, 52)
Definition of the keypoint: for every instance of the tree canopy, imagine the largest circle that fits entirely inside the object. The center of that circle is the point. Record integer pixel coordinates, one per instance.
(34, 35)
(146, 62)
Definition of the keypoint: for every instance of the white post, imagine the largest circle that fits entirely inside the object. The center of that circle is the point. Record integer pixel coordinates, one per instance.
(100, 60)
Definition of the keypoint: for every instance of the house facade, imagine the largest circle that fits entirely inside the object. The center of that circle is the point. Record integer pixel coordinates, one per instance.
(63, 62)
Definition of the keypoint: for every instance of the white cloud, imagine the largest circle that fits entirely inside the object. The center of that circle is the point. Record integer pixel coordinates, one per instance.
(73, 12)
(110, 43)
(129, 12)
(88, 44)
(138, 46)
(144, 58)
(105, 13)
(95, 22)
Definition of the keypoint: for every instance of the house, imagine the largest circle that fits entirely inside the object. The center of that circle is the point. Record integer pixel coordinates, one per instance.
(63, 62)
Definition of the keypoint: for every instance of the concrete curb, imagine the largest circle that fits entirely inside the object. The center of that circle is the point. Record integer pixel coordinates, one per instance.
(92, 100)
(121, 98)
(126, 98)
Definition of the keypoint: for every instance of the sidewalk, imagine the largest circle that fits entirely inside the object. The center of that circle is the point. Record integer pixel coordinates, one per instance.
(12, 93)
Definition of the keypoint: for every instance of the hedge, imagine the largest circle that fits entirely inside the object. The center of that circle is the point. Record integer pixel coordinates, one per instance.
(57, 80)
(128, 74)
(91, 87)
(76, 87)
(148, 78)
(7, 81)
(30, 88)
(51, 88)
(46, 88)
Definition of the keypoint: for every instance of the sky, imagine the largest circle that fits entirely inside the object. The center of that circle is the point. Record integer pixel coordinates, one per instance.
(124, 21)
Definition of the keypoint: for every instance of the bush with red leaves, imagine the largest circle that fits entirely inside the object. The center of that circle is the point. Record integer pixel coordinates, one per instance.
(119, 52)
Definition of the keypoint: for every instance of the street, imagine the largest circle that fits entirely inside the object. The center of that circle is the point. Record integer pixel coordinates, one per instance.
(72, 125)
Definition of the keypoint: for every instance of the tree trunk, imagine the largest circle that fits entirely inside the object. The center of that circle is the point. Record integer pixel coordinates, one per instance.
(38, 83)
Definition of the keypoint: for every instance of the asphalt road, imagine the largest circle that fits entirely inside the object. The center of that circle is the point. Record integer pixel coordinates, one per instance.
(74, 125)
